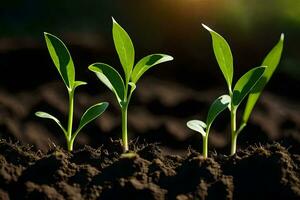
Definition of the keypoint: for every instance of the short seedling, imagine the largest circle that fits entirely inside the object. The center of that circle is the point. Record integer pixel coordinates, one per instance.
(113, 80)
(219, 105)
(64, 64)
(251, 83)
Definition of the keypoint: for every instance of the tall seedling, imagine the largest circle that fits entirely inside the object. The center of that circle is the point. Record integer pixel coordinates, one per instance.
(252, 82)
(64, 64)
(123, 89)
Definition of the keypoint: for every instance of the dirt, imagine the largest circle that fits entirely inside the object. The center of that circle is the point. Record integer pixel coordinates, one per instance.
(258, 172)
(167, 164)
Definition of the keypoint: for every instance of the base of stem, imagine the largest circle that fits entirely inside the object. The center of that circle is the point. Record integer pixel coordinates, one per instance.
(124, 130)
(205, 147)
(233, 144)
(70, 145)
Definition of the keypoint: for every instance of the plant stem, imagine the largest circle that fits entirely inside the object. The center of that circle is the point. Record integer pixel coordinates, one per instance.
(124, 127)
(70, 145)
(233, 144)
(233, 129)
(205, 146)
(70, 120)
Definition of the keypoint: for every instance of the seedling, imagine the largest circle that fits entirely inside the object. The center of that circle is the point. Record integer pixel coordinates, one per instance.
(219, 105)
(112, 79)
(65, 66)
(251, 82)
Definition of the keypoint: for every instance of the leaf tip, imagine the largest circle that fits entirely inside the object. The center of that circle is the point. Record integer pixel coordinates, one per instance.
(207, 28)
(106, 104)
(282, 37)
(263, 68)
(198, 126)
(46, 34)
(92, 68)
(113, 19)
(38, 113)
(169, 58)
(225, 99)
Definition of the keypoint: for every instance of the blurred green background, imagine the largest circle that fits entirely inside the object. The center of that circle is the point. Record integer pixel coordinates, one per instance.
(170, 26)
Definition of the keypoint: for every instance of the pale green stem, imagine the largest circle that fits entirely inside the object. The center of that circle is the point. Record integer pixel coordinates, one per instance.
(124, 108)
(124, 128)
(70, 120)
(233, 130)
(205, 146)
(70, 145)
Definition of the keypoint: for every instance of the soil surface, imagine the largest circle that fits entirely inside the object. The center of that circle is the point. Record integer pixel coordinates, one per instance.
(158, 113)
(258, 172)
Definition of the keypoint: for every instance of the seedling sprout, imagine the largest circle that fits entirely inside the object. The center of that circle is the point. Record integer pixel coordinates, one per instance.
(123, 89)
(251, 83)
(65, 66)
(219, 105)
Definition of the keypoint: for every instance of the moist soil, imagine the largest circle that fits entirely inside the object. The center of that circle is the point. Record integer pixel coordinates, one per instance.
(267, 166)
(258, 172)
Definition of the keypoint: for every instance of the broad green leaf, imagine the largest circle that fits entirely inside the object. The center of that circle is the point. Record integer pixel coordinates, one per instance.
(223, 55)
(146, 63)
(90, 114)
(271, 61)
(245, 84)
(48, 116)
(218, 106)
(61, 59)
(110, 77)
(124, 48)
(198, 126)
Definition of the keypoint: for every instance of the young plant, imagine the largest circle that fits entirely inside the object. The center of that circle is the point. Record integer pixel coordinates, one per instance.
(64, 64)
(219, 105)
(252, 82)
(123, 89)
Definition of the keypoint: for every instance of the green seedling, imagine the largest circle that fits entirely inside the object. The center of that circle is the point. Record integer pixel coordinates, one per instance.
(251, 83)
(63, 62)
(123, 89)
(219, 105)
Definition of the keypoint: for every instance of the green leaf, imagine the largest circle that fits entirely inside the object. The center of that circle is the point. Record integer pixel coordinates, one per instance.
(90, 114)
(146, 63)
(223, 55)
(218, 106)
(110, 77)
(271, 61)
(48, 116)
(79, 83)
(245, 84)
(124, 48)
(61, 59)
(198, 126)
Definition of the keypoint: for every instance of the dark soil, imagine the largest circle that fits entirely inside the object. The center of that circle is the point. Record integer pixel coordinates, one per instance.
(259, 172)
(165, 166)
